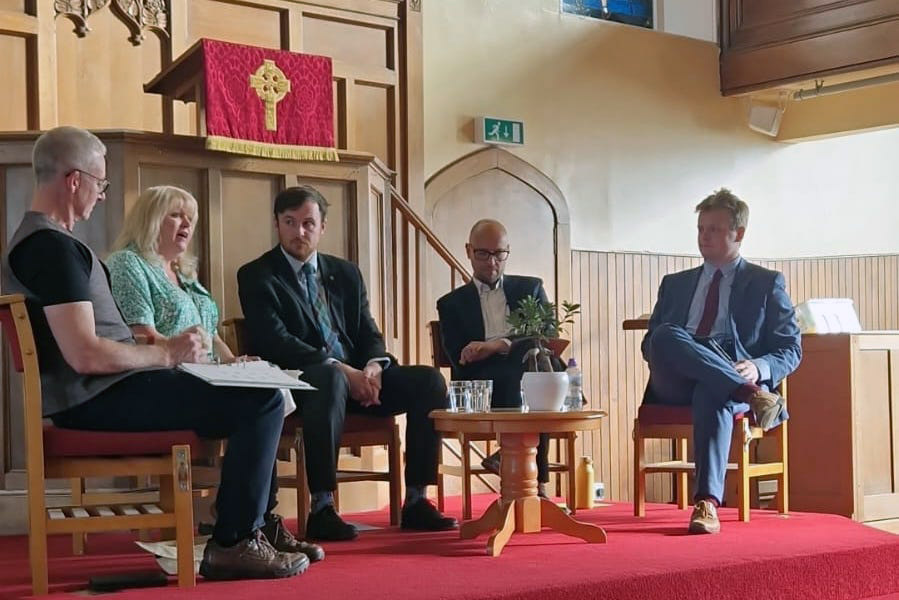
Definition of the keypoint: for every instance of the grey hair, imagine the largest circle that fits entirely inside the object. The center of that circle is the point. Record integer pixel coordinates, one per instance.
(726, 200)
(63, 149)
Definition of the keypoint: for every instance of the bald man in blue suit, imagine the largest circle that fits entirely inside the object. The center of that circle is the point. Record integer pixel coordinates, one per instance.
(721, 337)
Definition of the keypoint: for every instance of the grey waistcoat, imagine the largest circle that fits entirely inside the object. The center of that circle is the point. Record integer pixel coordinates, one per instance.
(61, 386)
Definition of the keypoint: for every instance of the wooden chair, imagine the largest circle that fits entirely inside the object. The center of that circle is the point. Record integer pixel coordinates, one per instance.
(53, 453)
(658, 421)
(358, 431)
(466, 470)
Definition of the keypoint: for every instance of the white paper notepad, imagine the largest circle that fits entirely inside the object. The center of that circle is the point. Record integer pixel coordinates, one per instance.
(254, 374)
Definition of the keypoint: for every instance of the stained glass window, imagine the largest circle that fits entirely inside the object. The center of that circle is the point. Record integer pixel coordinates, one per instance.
(632, 12)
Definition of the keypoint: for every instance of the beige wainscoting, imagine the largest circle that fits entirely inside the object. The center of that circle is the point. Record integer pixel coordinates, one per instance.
(614, 286)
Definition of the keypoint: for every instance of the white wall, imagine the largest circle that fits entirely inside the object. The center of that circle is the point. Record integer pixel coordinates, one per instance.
(631, 126)
(692, 18)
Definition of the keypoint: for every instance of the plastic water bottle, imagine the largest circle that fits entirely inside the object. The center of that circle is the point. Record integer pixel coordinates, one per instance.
(575, 383)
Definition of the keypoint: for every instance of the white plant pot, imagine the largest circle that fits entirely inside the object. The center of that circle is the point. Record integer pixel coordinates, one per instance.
(544, 391)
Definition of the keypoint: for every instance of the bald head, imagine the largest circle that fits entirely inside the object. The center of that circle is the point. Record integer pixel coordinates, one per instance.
(63, 149)
(488, 249)
(486, 228)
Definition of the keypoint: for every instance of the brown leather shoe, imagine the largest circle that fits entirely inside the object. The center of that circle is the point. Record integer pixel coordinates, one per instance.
(704, 518)
(250, 558)
(766, 406)
(282, 540)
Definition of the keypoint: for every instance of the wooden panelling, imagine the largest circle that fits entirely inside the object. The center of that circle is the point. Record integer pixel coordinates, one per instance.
(96, 81)
(348, 42)
(14, 91)
(101, 76)
(612, 287)
(769, 43)
(374, 113)
(252, 24)
(246, 215)
(875, 464)
(13, 5)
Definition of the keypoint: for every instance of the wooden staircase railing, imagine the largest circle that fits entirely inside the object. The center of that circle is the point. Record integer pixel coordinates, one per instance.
(415, 261)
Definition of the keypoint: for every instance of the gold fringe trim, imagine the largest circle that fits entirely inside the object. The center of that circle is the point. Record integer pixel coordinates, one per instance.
(267, 150)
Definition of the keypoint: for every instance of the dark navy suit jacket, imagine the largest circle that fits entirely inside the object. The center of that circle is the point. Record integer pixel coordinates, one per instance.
(281, 324)
(461, 320)
(762, 322)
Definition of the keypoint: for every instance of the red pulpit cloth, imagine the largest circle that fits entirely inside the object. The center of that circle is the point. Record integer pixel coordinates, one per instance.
(268, 103)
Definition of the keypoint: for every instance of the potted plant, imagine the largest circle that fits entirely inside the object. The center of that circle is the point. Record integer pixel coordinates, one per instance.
(540, 323)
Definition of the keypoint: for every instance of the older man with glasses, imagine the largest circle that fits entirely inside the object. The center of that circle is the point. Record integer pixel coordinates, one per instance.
(94, 377)
(475, 331)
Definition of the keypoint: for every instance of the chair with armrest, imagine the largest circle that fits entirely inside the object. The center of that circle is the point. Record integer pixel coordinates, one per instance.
(659, 421)
(465, 469)
(358, 431)
(55, 453)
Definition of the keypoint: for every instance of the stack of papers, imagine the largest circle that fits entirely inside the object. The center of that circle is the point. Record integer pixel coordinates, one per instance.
(253, 374)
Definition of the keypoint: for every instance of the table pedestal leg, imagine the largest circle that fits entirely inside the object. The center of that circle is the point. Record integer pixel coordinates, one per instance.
(519, 509)
(491, 520)
(498, 540)
(556, 519)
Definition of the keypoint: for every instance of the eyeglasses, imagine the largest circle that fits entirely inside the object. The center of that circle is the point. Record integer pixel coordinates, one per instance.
(499, 255)
(102, 184)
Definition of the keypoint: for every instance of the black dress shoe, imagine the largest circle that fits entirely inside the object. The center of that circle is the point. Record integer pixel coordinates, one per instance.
(326, 524)
(422, 515)
(280, 537)
(492, 463)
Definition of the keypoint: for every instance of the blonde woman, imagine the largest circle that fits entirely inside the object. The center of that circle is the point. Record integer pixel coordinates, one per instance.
(154, 274)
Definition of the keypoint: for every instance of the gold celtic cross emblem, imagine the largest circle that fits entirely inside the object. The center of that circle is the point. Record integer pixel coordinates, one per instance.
(271, 85)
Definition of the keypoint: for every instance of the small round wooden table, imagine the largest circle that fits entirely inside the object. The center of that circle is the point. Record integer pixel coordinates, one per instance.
(518, 508)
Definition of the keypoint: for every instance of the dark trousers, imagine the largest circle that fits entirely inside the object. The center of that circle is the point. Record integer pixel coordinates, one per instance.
(506, 373)
(166, 399)
(415, 391)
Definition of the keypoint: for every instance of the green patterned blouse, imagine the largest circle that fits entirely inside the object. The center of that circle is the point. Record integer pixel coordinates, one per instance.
(146, 296)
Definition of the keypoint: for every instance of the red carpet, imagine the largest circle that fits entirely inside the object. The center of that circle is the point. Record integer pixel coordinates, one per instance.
(803, 556)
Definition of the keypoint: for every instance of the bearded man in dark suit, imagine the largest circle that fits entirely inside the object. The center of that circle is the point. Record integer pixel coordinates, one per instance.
(308, 310)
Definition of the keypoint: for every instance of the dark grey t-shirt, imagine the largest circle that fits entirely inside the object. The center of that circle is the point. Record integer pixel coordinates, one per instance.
(49, 266)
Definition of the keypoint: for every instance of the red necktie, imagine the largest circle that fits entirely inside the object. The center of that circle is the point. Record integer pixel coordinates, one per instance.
(710, 310)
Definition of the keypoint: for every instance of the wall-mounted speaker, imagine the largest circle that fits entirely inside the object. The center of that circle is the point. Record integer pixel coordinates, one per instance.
(765, 118)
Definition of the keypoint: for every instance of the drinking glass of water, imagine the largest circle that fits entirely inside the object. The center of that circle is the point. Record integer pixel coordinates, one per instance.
(459, 396)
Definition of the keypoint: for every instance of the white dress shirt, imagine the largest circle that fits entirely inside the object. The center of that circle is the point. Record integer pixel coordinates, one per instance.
(720, 328)
(494, 309)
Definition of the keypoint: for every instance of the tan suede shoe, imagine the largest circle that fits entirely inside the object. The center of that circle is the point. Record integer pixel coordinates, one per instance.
(704, 518)
(766, 406)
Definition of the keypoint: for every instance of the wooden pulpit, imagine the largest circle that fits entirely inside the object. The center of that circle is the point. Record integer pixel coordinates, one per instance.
(255, 101)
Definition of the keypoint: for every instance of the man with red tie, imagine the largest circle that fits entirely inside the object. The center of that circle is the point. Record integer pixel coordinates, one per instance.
(721, 337)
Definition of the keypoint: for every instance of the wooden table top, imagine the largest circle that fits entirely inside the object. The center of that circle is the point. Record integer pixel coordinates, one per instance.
(517, 422)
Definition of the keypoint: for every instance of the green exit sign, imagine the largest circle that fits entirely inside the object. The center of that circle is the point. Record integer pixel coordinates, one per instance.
(489, 130)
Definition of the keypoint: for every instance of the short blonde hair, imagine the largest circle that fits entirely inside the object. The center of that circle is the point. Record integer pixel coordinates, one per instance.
(141, 227)
(726, 200)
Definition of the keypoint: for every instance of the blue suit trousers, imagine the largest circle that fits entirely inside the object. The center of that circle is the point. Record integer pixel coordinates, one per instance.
(684, 372)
